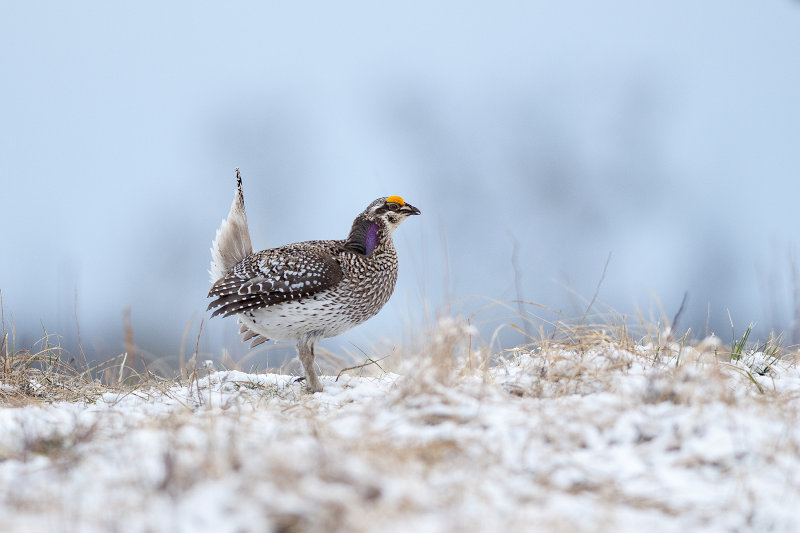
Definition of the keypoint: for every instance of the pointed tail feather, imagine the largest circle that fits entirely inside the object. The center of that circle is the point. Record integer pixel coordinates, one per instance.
(232, 242)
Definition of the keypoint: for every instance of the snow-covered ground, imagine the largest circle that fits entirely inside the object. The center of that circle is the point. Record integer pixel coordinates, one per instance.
(597, 435)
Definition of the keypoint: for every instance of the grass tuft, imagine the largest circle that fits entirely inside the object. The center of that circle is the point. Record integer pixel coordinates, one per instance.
(42, 375)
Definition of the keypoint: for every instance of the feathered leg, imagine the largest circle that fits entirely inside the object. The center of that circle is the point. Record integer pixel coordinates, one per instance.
(305, 351)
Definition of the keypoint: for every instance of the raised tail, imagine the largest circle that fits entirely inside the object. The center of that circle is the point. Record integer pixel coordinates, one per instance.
(232, 242)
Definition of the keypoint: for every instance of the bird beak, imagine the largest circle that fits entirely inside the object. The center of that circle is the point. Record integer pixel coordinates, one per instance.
(409, 209)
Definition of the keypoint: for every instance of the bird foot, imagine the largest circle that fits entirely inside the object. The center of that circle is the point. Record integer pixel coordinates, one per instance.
(312, 386)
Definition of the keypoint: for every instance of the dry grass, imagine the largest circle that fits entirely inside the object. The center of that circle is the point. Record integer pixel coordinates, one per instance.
(428, 442)
(570, 358)
(44, 373)
(41, 375)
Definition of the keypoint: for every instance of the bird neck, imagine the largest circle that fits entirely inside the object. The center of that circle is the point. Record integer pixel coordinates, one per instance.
(367, 236)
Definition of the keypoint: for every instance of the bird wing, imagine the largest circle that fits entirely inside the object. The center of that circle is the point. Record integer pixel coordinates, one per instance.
(278, 275)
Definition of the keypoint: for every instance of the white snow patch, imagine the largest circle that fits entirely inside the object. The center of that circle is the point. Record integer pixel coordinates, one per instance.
(564, 440)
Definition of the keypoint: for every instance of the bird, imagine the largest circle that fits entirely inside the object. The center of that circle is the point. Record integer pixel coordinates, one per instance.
(306, 291)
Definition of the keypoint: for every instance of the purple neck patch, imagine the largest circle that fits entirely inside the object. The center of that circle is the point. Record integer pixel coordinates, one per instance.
(372, 238)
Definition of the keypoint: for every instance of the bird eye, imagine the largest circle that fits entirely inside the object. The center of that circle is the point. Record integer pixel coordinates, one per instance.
(393, 206)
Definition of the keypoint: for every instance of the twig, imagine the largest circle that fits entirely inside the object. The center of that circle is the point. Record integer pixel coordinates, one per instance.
(681, 309)
(6, 360)
(147, 372)
(194, 379)
(597, 290)
(4, 354)
(371, 362)
(122, 369)
(2, 313)
(181, 353)
(518, 283)
(84, 363)
(130, 346)
(796, 297)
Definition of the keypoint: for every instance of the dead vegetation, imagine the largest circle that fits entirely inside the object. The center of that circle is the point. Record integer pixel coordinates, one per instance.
(446, 430)
(41, 375)
(570, 358)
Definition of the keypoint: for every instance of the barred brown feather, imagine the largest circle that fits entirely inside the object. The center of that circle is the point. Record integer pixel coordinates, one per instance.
(291, 272)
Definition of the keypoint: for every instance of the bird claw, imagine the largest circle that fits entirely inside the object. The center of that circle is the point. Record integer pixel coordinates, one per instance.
(310, 386)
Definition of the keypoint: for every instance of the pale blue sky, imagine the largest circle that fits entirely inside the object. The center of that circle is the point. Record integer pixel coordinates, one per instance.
(665, 133)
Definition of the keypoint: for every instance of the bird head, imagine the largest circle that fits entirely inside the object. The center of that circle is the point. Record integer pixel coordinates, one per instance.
(377, 221)
(391, 210)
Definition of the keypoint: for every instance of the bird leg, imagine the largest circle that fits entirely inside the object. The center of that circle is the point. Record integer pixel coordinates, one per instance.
(305, 351)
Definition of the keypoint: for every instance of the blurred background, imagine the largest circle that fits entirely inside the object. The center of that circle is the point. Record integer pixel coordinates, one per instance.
(543, 141)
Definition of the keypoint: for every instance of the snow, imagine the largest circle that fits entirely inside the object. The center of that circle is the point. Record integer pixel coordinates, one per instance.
(596, 437)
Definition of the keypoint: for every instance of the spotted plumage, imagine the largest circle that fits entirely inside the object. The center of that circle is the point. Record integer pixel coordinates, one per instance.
(308, 291)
